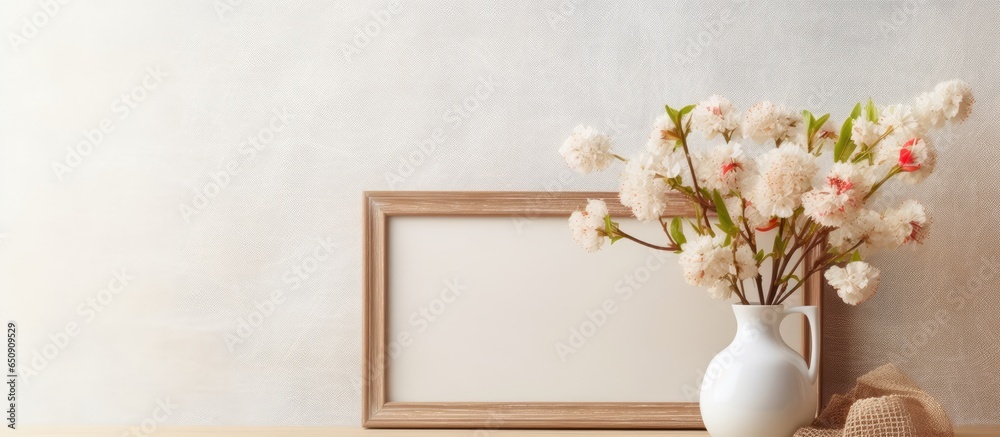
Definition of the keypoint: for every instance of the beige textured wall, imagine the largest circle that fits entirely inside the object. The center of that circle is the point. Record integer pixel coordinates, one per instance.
(340, 96)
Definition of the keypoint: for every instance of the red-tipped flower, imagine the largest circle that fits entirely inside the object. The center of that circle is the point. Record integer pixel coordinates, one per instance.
(730, 166)
(907, 162)
(839, 185)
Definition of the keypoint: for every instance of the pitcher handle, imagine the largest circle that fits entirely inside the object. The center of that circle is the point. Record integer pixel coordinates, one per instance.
(812, 314)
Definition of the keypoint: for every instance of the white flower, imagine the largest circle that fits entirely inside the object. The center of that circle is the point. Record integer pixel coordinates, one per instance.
(855, 282)
(826, 136)
(766, 121)
(798, 137)
(715, 116)
(840, 197)
(720, 291)
(869, 174)
(587, 150)
(870, 229)
(725, 168)
(588, 226)
(744, 265)
(738, 210)
(673, 164)
(708, 264)
(887, 152)
(908, 223)
(928, 109)
(704, 262)
(902, 120)
(786, 173)
(861, 228)
(662, 138)
(956, 99)
(641, 188)
(882, 236)
(950, 101)
(865, 132)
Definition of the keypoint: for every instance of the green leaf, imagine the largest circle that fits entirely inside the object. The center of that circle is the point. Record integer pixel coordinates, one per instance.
(677, 184)
(845, 138)
(820, 122)
(849, 150)
(779, 244)
(706, 193)
(871, 111)
(790, 277)
(759, 257)
(611, 229)
(728, 241)
(693, 226)
(677, 116)
(672, 113)
(856, 256)
(677, 231)
(856, 112)
(809, 120)
(725, 221)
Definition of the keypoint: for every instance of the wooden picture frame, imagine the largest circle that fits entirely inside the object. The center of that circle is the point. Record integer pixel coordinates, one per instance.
(378, 412)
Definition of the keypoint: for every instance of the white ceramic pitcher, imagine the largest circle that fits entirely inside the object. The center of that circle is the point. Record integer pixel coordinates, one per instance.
(758, 386)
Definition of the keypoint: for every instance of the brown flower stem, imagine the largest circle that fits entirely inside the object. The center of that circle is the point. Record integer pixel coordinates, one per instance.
(815, 240)
(694, 178)
(776, 280)
(743, 299)
(666, 232)
(772, 287)
(671, 248)
(807, 241)
(751, 238)
(700, 201)
(819, 267)
(734, 279)
(796, 287)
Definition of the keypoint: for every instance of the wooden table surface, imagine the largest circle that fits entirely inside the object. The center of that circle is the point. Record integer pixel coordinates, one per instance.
(208, 431)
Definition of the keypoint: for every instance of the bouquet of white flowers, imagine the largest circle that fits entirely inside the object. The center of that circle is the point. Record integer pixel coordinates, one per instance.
(782, 189)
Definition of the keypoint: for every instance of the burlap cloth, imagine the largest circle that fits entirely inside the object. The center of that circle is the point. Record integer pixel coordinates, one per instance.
(883, 403)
